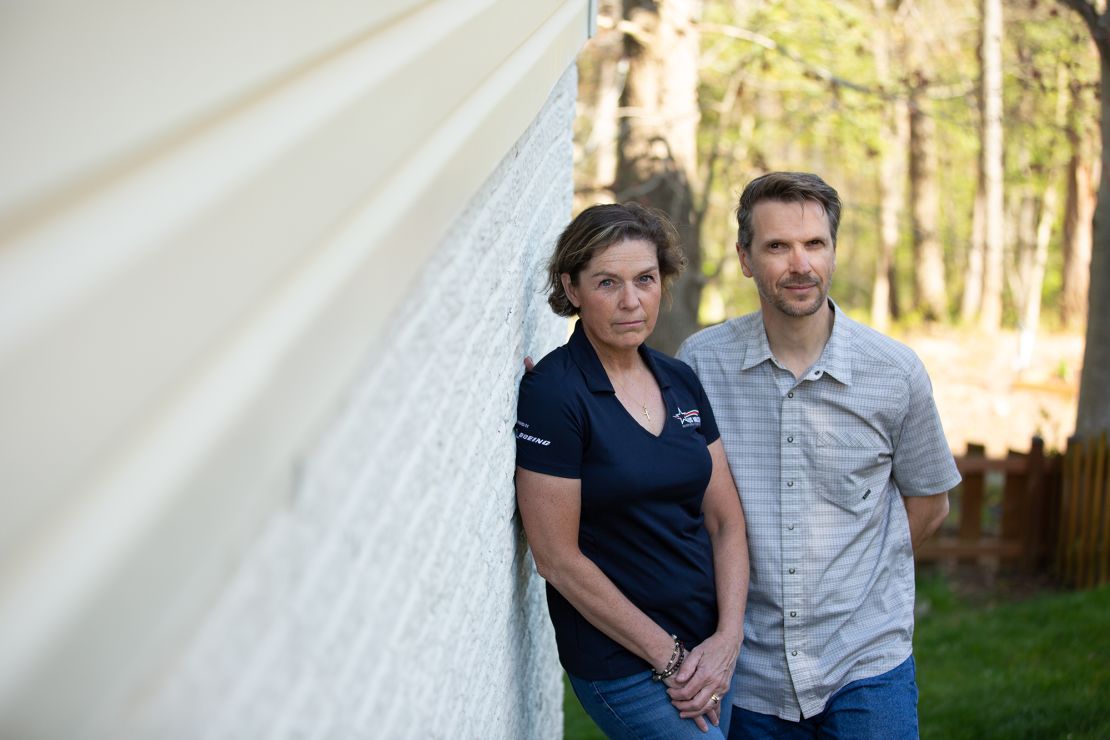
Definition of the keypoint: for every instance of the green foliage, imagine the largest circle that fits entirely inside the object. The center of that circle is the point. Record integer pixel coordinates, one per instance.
(815, 101)
(794, 84)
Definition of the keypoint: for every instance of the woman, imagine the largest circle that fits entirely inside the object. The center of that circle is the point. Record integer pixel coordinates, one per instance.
(626, 496)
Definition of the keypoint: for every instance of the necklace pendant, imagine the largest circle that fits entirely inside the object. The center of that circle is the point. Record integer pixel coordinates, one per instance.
(647, 414)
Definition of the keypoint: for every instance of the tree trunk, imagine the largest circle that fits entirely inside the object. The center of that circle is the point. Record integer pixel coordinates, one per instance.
(1078, 223)
(1094, 385)
(1079, 212)
(892, 173)
(973, 277)
(1022, 226)
(612, 67)
(657, 162)
(990, 312)
(1034, 280)
(929, 284)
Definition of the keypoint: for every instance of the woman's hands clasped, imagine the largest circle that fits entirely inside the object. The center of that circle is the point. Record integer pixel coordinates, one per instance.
(696, 690)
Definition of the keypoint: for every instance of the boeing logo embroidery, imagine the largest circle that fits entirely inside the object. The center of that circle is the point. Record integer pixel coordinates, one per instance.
(533, 440)
(529, 437)
(690, 418)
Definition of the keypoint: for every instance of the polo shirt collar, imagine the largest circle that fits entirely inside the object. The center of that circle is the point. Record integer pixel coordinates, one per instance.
(835, 358)
(585, 357)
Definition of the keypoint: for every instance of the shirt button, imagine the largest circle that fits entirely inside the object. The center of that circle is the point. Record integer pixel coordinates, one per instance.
(790, 394)
(791, 571)
(791, 527)
(789, 439)
(793, 652)
(789, 484)
(793, 614)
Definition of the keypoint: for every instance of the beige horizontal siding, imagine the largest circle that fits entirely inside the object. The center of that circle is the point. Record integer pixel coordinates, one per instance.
(206, 213)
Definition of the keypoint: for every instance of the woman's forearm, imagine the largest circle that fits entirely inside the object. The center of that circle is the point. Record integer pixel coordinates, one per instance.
(603, 605)
(731, 568)
(550, 508)
(727, 528)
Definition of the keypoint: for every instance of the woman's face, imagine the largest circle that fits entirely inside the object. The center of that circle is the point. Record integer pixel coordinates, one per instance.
(618, 294)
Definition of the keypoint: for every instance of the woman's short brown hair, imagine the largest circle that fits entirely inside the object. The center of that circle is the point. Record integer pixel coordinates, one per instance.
(600, 227)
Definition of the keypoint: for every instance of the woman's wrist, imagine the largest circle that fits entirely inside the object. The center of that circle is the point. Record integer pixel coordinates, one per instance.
(674, 662)
(731, 637)
(731, 629)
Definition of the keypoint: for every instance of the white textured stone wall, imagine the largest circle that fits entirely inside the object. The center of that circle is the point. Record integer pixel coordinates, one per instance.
(394, 597)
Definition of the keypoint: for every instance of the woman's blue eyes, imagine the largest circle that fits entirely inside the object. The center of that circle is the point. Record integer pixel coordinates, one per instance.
(643, 279)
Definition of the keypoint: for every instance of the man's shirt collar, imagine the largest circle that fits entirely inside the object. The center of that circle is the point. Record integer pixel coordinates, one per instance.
(835, 359)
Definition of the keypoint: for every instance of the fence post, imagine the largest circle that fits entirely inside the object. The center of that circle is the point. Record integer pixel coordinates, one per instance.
(1051, 510)
(1100, 512)
(1088, 511)
(971, 502)
(1069, 522)
(1016, 498)
(1036, 497)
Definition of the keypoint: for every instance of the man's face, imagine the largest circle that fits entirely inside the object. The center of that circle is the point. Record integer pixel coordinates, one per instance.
(791, 257)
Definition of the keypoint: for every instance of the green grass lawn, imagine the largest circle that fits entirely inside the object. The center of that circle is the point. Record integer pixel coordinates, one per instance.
(576, 724)
(1032, 669)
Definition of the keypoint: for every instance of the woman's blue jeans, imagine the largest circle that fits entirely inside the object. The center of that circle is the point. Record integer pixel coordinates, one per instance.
(637, 708)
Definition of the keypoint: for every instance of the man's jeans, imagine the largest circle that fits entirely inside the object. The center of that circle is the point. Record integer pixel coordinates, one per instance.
(637, 708)
(884, 706)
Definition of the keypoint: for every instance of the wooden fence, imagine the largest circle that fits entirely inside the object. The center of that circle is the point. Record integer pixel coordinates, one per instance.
(1083, 550)
(1006, 511)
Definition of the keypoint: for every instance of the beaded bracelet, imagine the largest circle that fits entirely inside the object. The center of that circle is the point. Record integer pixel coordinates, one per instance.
(678, 654)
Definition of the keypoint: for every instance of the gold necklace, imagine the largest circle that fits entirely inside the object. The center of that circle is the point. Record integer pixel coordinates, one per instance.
(643, 406)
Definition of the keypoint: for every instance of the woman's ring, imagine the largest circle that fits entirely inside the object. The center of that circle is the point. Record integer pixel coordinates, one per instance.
(715, 699)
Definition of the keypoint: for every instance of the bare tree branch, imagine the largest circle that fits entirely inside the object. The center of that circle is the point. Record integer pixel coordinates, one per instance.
(770, 44)
(934, 91)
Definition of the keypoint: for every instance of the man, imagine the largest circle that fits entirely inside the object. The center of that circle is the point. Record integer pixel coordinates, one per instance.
(843, 469)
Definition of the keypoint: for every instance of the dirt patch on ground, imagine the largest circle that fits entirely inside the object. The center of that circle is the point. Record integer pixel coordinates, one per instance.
(984, 398)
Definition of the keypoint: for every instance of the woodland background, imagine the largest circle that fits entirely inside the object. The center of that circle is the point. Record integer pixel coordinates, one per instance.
(963, 137)
(966, 140)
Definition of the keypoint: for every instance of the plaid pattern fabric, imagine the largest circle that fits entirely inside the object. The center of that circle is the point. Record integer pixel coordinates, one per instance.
(821, 464)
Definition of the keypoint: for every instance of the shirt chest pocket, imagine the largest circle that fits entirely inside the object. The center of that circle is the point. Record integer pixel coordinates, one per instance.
(853, 468)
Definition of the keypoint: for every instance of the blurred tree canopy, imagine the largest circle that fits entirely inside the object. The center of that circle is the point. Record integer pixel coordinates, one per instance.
(886, 100)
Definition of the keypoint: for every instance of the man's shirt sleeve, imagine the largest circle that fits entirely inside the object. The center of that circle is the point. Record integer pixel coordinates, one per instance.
(708, 421)
(685, 355)
(705, 410)
(550, 428)
(922, 463)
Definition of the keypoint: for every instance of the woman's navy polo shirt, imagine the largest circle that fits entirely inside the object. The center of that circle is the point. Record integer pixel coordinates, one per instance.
(641, 520)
